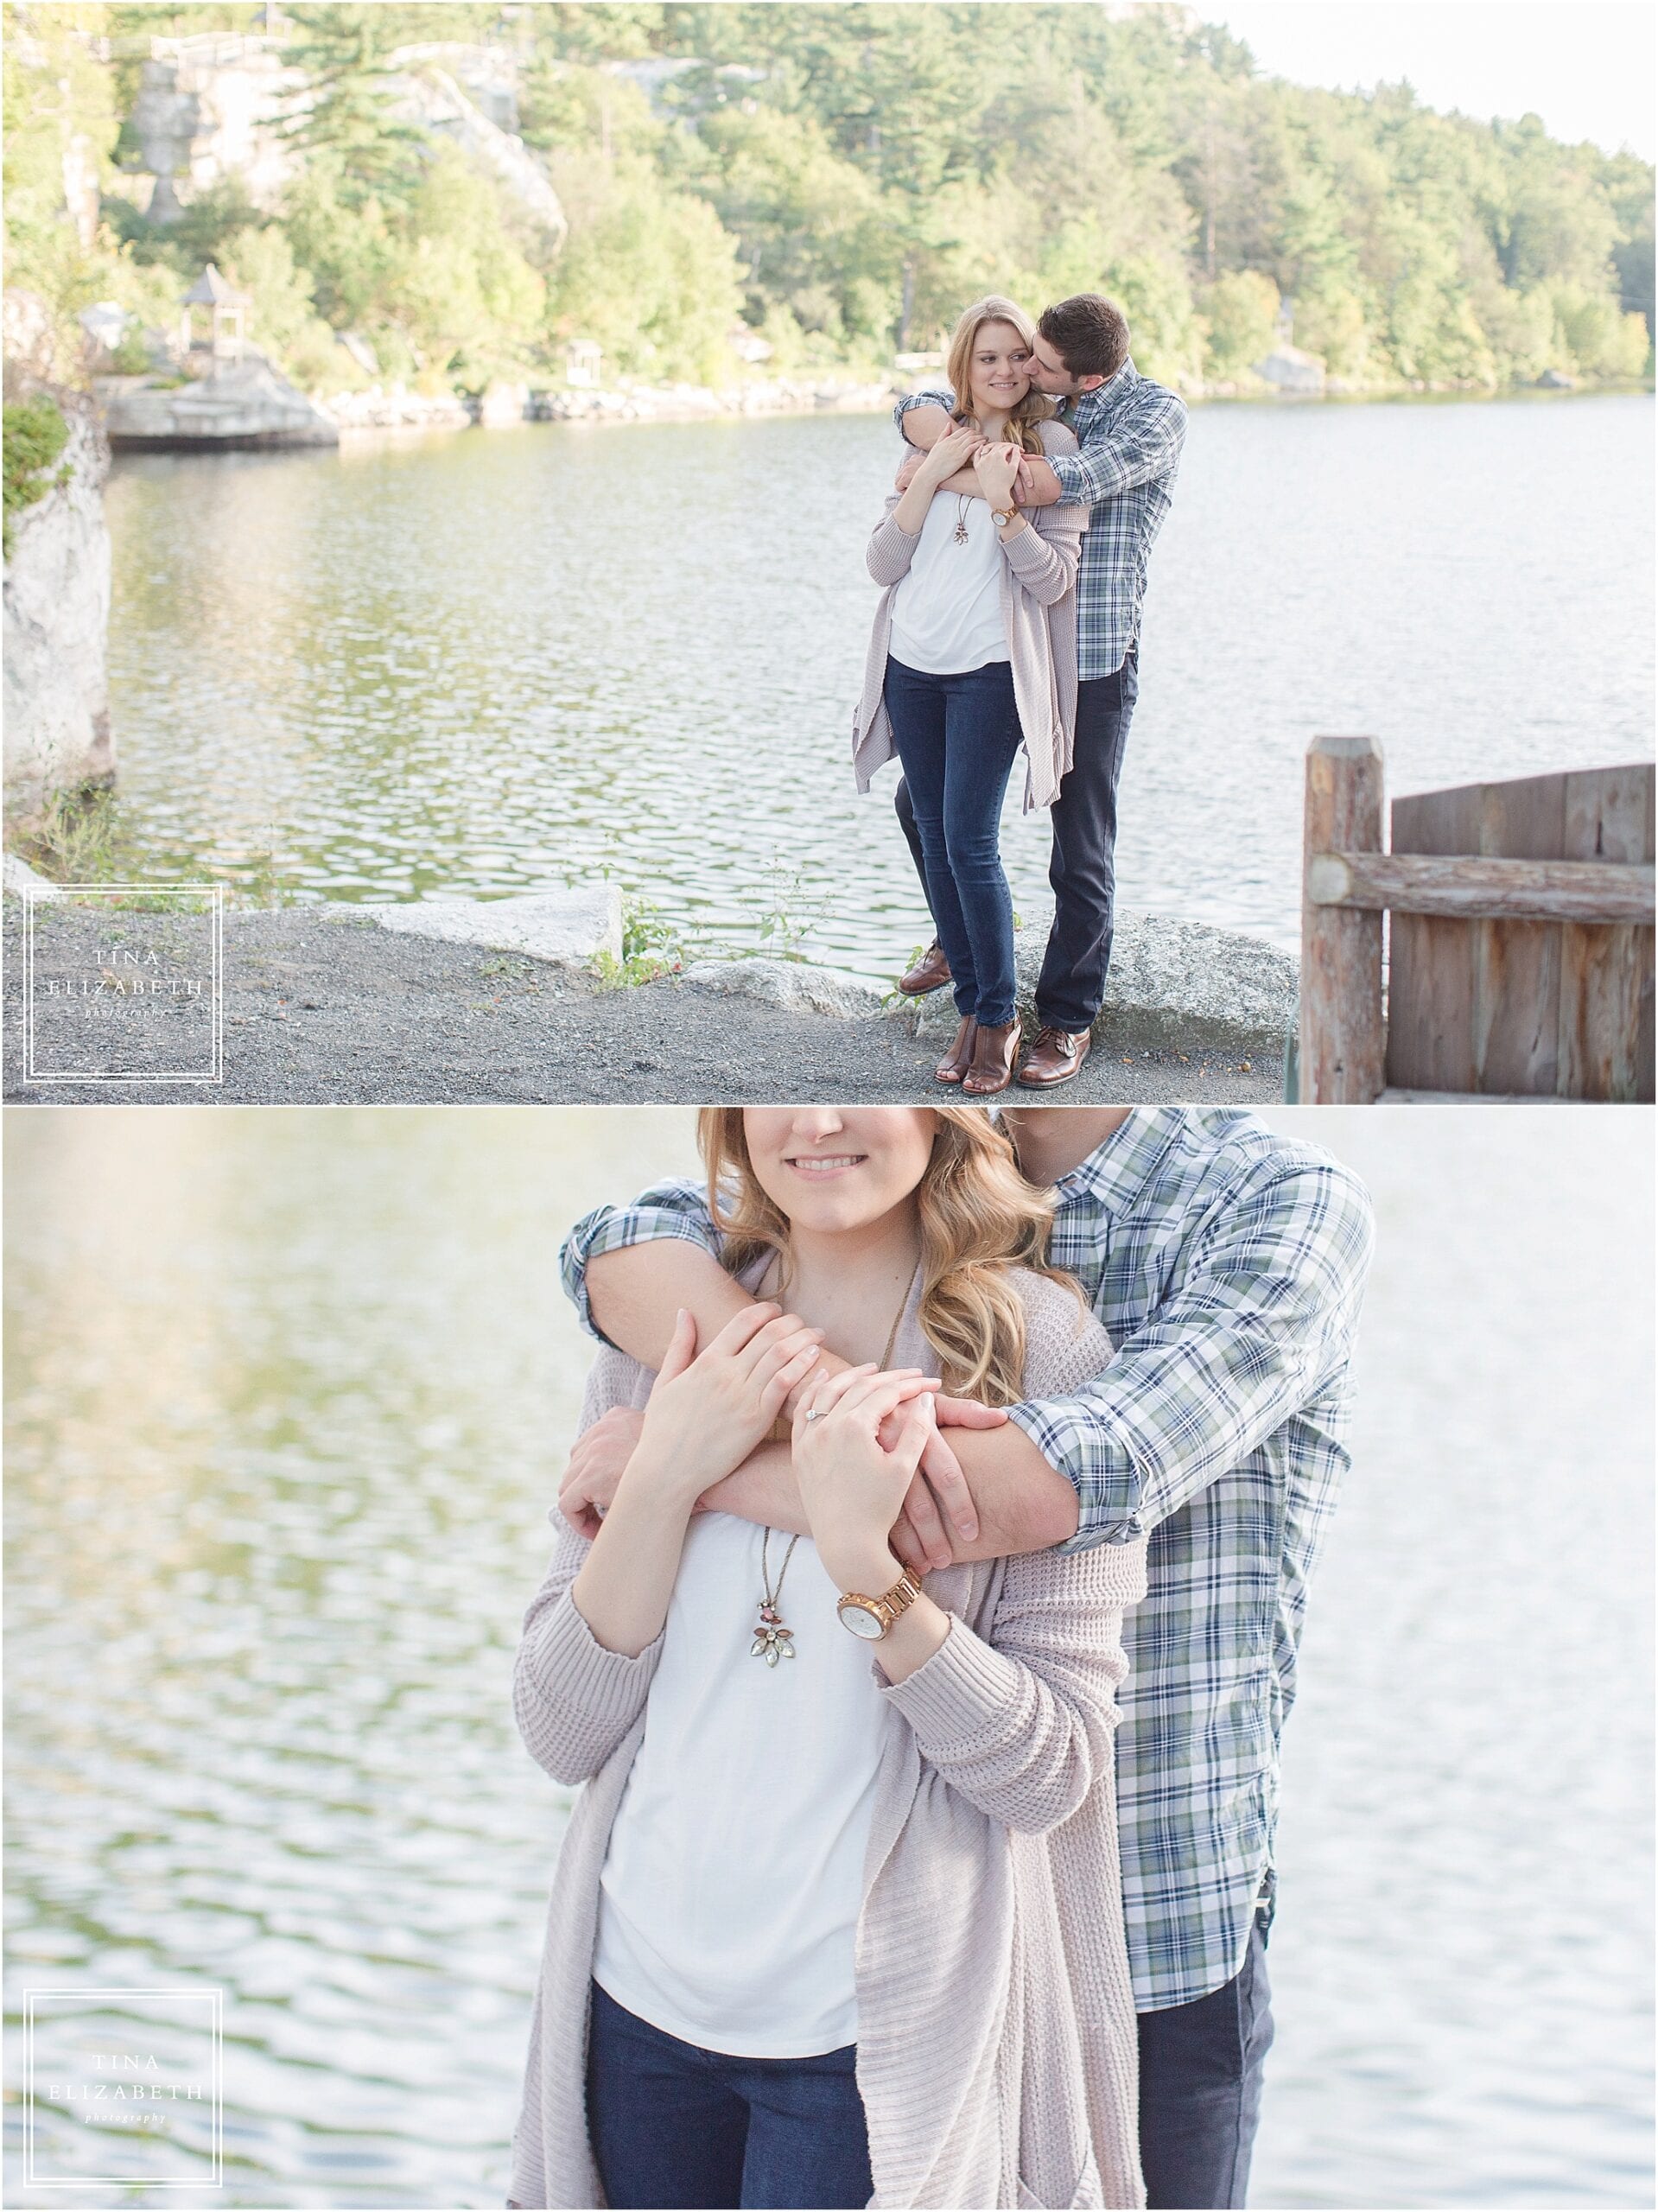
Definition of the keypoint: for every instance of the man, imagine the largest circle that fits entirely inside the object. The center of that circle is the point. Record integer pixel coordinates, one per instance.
(1228, 1264)
(1130, 432)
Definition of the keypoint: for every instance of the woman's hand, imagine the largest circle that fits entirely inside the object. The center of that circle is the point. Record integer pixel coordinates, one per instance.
(708, 1410)
(852, 1484)
(956, 450)
(997, 469)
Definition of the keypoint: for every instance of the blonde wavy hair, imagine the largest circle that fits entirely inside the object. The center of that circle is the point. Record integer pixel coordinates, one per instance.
(979, 1218)
(1035, 407)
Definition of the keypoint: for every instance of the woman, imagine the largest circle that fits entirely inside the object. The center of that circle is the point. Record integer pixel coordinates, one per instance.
(973, 650)
(826, 1932)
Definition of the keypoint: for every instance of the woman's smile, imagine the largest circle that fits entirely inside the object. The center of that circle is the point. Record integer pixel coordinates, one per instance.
(824, 1165)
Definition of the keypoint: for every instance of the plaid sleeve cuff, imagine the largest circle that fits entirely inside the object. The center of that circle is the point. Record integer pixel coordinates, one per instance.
(1070, 470)
(675, 1211)
(1074, 1439)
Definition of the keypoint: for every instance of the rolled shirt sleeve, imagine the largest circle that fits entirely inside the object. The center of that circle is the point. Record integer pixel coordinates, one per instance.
(1260, 1318)
(679, 1208)
(943, 396)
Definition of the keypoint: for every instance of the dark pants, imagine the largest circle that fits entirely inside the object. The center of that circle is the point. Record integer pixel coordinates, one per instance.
(672, 2125)
(957, 736)
(1082, 870)
(1200, 2072)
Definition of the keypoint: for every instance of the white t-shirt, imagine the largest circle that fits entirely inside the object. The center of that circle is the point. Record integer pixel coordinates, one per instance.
(947, 613)
(733, 1878)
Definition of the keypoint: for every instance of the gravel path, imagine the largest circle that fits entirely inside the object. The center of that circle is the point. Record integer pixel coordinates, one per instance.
(335, 1011)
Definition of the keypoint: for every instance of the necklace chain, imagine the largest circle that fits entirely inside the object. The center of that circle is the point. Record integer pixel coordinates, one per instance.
(773, 1639)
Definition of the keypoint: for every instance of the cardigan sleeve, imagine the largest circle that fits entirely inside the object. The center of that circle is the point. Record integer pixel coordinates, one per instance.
(890, 549)
(574, 1700)
(1023, 1724)
(1022, 1720)
(1044, 556)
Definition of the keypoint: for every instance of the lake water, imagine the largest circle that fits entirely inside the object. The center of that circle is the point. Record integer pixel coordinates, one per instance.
(494, 661)
(291, 1394)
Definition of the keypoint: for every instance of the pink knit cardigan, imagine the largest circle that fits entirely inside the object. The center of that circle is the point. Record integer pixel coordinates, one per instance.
(997, 2042)
(1038, 610)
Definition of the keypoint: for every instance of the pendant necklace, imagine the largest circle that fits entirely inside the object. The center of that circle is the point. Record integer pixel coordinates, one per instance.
(961, 518)
(773, 1639)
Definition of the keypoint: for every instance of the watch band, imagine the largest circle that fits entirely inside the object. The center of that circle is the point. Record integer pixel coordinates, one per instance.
(871, 1618)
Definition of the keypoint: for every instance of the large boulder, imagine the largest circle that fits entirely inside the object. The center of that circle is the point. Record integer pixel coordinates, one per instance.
(569, 928)
(247, 405)
(1174, 986)
(796, 985)
(1288, 369)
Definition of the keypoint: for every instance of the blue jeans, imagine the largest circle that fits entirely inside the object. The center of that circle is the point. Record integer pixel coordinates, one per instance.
(672, 2125)
(956, 736)
(1200, 2076)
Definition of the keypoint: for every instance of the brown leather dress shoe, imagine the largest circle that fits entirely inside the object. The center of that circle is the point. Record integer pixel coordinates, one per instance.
(995, 1053)
(929, 973)
(1055, 1058)
(959, 1058)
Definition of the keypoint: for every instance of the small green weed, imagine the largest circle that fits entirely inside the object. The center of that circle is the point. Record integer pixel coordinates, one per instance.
(651, 948)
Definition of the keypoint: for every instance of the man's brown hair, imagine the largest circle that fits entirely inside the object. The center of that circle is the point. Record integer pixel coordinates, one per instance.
(1089, 334)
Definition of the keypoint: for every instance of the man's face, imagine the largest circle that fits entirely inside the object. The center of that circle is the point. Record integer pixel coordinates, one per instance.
(1050, 374)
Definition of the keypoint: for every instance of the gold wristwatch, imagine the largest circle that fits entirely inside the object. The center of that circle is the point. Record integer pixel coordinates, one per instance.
(871, 1618)
(998, 515)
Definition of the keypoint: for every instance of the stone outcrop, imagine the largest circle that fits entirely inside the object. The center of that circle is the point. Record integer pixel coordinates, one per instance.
(213, 105)
(795, 984)
(56, 621)
(572, 928)
(1288, 369)
(1174, 986)
(247, 405)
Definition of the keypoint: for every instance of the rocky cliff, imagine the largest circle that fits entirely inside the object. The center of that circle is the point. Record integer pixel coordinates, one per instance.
(55, 625)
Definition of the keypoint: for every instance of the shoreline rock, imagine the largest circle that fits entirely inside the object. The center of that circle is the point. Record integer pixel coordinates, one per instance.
(574, 929)
(1174, 986)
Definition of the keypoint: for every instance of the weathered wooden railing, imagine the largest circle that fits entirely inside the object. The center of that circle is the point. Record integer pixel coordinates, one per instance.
(1519, 938)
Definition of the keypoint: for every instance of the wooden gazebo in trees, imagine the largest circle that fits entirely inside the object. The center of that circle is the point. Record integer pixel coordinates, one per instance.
(227, 310)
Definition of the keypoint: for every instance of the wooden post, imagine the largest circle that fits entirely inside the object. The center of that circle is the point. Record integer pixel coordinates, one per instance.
(1344, 1035)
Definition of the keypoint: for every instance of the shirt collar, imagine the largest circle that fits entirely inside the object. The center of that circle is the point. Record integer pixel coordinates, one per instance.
(1115, 1173)
(1109, 393)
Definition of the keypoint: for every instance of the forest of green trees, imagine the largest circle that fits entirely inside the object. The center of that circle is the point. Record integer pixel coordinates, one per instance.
(840, 179)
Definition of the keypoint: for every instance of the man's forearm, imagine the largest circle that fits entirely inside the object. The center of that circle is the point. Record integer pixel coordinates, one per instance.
(636, 1294)
(762, 1489)
(1023, 1504)
(923, 426)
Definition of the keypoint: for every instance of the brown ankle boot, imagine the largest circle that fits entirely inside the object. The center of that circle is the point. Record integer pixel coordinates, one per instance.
(956, 1063)
(995, 1051)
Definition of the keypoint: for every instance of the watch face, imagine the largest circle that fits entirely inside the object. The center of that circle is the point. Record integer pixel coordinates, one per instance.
(861, 1622)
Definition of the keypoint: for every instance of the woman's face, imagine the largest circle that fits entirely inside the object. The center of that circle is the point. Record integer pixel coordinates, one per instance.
(1001, 369)
(835, 1168)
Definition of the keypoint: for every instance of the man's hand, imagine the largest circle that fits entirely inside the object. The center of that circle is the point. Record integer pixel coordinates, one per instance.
(596, 1466)
(938, 1500)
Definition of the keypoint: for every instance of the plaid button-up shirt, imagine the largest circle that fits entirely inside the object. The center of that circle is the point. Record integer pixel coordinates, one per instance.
(1228, 1264)
(1130, 432)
